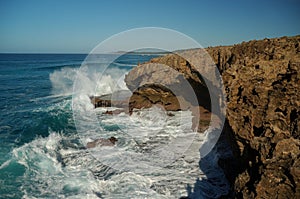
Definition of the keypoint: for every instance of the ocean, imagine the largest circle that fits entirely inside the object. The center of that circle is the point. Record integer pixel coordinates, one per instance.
(43, 153)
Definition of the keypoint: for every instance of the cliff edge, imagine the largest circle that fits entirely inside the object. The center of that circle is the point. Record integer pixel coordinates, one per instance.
(262, 85)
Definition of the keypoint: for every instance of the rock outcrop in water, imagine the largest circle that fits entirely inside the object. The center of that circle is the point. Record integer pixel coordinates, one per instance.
(171, 88)
(102, 142)
(262, 83)
(117, 99)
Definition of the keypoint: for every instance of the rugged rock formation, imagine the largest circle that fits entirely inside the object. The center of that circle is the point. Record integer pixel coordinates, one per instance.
(147, 95)
(179, 87)
(262, 83)
(179, 81)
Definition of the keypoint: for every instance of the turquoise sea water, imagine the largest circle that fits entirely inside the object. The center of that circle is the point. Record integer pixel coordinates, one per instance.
(41, 155)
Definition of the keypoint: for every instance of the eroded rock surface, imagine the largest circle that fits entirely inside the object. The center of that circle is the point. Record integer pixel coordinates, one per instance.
(262, 81)
(181, 80)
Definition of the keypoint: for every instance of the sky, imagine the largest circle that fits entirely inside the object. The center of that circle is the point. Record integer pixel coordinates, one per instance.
(69, 26)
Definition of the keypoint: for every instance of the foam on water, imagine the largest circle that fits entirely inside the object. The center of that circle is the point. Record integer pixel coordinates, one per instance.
(162, 150)
(56, 169)
(90, 82)
(45, 177)
(58, 166)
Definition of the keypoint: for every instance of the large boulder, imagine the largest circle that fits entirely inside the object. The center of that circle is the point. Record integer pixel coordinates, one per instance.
(173, 73)
(175, 84)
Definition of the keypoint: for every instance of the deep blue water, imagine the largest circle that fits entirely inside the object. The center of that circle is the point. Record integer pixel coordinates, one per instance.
(23, 79)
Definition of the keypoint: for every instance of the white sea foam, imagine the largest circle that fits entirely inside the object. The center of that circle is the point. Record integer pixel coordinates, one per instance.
(45, 176)
(54, 170)
(62, 80)
(5, 164)
(90, 81)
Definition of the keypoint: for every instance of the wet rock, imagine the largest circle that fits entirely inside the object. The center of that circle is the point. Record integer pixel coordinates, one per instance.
(102, 142)
(115, 112)
(117, 99)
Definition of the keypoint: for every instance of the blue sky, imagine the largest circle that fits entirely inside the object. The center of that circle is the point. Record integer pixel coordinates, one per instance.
(69, 26)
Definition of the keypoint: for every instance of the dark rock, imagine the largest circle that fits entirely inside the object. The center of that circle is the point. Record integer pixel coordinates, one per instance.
(115, 112)
(102, 142)
(117, 99)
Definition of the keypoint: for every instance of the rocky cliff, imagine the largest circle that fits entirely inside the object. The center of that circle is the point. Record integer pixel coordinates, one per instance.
(262, 84)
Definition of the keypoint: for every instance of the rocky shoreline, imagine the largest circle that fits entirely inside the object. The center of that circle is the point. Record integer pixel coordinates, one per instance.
(262, 84)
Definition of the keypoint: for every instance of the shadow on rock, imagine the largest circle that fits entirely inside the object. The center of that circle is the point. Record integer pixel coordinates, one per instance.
(220, 168)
